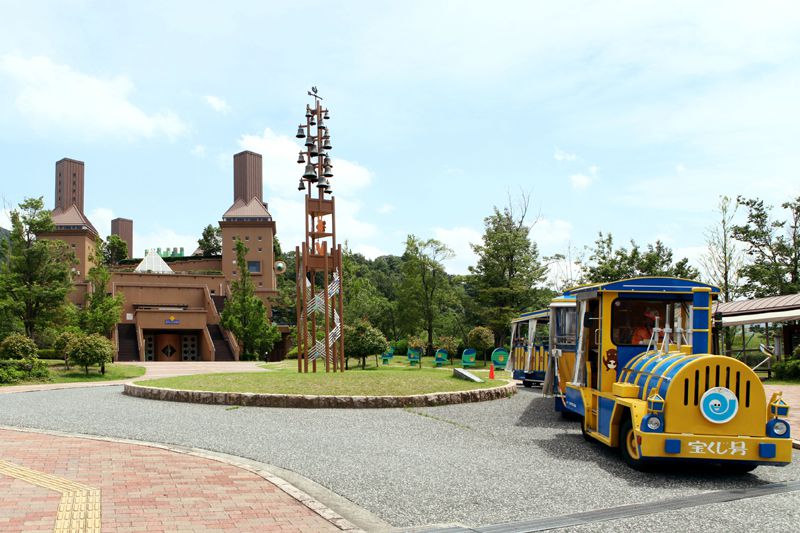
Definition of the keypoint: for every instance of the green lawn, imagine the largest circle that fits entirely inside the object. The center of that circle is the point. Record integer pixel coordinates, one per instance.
(389, 380)
(59, 374)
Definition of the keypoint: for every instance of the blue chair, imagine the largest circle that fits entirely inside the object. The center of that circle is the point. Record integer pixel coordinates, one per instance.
(413, 356)
(387, 357)
(500, 358)
(468, 358)
(441, 357)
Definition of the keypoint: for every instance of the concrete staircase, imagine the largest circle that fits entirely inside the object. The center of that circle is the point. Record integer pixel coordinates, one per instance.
(126, 338)
(222, 350)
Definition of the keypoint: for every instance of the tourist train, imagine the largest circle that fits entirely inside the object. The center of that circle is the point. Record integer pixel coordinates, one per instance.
(632, 360)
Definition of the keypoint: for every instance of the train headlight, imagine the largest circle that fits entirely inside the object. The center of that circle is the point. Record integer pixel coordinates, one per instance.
(654, 423)
(780, 428)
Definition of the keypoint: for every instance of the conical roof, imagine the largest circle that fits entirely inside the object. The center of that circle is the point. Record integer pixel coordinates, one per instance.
(152, 262)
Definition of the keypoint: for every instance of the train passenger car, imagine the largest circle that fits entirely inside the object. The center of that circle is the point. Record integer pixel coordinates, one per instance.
(644, 380)
(529, 347)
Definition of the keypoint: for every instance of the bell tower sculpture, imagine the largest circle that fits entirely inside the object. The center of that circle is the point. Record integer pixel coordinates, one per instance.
(319, 257)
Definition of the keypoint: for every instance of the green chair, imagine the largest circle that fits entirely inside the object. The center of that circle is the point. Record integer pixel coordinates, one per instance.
(468, 358)
(500, 358)
(387, 356)
(413, 356)
(441, 357)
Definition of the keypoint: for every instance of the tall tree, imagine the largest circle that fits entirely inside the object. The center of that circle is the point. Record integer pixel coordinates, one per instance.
(609, 264)
(723, 258)
(102, 310)
(112, 251)
(508, 268)
(211, 241)
(773, 247)
(362, 300)
(424, 284)
(245, 314)
(36, 274)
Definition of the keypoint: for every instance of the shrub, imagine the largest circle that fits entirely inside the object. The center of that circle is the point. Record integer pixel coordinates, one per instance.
(89, 350)
(448, 343)
(292, 354)
(61, 342)
(400, 347)
(789, 369)
(17, 346)
(417, 342)
(47, 353)
(363, 339)
(13, 370)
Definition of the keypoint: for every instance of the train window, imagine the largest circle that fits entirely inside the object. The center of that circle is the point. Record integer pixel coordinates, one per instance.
(565, 325)
(632, 321)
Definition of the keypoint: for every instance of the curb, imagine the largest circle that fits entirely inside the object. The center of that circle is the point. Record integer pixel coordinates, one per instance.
(259, 469)
(249, 399)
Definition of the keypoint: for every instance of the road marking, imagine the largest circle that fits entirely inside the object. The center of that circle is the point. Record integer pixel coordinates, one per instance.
(79, 508)
(626, 511)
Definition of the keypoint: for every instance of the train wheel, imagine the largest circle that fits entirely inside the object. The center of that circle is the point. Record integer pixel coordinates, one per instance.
(629, 447)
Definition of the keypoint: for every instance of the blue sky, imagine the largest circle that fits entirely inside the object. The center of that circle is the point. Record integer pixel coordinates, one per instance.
(623, 117)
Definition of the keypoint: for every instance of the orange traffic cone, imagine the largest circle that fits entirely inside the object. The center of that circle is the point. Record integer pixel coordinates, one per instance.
(491, 370)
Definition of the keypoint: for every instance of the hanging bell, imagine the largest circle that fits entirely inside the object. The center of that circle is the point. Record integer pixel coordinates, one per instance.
(313, 122)
(327, 161)
(326, 143)
(300, 133)
(300, 159)
(313, 151)
(321, 124)
(309, 140)
(301, 186)
(322, 183)
(308, 111)
(327, 116)
(310, 174)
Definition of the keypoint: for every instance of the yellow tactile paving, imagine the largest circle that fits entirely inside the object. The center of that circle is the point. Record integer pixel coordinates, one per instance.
(79, 509)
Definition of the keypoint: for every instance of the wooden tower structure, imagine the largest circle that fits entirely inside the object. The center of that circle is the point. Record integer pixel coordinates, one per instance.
(319, 258)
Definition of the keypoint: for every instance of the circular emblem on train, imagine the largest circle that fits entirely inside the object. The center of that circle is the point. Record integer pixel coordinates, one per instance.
(719, 405)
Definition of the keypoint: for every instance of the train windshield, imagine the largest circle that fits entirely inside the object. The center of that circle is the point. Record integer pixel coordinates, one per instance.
(565, 324)
(633, 321)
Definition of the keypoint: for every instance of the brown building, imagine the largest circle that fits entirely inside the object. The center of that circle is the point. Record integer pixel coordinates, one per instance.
(172, 308)
(123, 227)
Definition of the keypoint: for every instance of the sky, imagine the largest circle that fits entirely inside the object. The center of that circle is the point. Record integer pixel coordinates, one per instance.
(623, 117)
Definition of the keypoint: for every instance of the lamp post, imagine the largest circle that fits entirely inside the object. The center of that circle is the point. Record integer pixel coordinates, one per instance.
(319, 257)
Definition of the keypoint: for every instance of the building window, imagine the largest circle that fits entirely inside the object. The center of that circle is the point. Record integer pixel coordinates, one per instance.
(254, 266)
(247, 237)
(259, 237)
(260, 284)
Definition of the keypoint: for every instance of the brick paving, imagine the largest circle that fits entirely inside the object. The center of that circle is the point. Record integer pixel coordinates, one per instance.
(791, 394)
(145, 489)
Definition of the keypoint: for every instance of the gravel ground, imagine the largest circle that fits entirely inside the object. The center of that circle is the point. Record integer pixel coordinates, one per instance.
(471, 464)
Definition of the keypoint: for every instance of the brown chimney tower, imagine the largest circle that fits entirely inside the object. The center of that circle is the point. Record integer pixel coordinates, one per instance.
(69, 184)
(124, 228)
(247, 177)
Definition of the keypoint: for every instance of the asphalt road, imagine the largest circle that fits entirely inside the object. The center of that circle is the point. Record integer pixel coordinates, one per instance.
(472, 464)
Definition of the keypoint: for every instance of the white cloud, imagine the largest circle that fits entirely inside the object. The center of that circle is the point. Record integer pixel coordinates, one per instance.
(561, 155)
(552, 235)
(582, 181)
(101, 218)
(459, 240)
(370, 252)
(55, 99)
(199, 150)
(217, 104)
(385, 209)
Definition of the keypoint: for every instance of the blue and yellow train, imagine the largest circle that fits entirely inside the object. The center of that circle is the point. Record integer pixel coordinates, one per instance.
(632, 359)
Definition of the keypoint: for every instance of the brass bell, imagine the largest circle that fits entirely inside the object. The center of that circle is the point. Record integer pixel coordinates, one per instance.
(310, 174)
(300, 133)
(327, 161)
(313, 151)
(326, 143)
(300, 159)
(301, 186)
(321, 124)
(309, 140)
(327, 116)
(322, 184)
(308, 111)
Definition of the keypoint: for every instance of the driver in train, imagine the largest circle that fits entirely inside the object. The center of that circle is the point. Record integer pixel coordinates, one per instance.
(643, 332)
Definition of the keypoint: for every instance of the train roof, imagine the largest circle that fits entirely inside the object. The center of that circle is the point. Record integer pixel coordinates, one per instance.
(539, 314)
(650, 284)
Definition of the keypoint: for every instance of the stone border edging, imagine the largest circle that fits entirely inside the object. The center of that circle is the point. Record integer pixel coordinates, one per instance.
(303, 497)
(249, 399)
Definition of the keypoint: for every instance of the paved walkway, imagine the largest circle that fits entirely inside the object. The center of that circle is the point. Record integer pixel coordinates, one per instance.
(51, 483)
(153, 370)
(791, 395)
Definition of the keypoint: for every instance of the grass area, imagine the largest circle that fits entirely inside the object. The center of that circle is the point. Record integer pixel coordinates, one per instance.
(59, 374)
(384, 380)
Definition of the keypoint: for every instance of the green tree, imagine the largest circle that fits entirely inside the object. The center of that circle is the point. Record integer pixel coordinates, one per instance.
(102, 310)
(361, 299)
(609, 264)
(482, 339)
(211, 241)
(112, 251)
(246, 315)
(364, 340)
(773, 247)
(424, 284)
(508, 269)
(89, 350)
(36, 275)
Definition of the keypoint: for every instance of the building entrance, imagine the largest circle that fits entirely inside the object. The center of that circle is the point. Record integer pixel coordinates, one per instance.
(171, 346)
